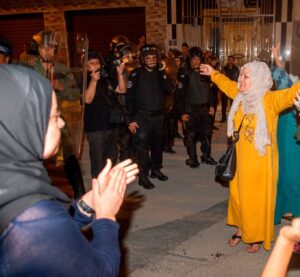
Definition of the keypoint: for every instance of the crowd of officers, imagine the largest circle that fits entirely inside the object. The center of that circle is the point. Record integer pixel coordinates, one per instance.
(134, 100)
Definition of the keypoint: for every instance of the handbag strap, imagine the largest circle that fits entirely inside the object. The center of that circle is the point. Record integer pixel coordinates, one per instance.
(236, 135)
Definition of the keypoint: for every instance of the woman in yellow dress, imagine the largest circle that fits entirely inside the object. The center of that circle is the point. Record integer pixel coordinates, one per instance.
(252, 191)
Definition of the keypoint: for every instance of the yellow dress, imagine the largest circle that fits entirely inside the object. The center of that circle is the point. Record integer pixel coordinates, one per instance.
(252, 192)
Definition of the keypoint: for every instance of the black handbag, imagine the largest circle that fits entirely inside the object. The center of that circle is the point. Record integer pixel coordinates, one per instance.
(226, 166)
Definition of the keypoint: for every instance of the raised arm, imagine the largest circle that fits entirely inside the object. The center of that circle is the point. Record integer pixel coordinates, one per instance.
(280, 100)
(276, 54)
(227, 86)
(121, 88)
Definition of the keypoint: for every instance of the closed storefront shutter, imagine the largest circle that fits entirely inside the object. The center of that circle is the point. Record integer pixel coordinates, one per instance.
(102, 25)
(19, 29)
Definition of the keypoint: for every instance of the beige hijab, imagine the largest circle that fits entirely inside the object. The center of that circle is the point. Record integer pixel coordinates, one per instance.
(251, 100)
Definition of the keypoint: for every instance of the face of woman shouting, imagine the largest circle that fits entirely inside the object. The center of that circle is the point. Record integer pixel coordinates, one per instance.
(244, 80)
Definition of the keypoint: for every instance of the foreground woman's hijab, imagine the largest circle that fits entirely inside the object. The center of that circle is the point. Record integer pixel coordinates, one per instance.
(261, 82)
(24, 113)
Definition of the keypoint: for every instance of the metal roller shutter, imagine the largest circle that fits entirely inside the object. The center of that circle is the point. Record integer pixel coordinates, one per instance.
(18, 29)
(102, 25)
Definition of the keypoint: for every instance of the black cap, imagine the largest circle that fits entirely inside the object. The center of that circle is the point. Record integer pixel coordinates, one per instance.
(93, 55)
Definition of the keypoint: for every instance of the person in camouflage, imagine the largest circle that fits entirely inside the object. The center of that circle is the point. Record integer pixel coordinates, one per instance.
(44, 45)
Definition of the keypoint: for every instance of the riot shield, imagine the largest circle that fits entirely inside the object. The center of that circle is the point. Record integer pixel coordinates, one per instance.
(76, 49)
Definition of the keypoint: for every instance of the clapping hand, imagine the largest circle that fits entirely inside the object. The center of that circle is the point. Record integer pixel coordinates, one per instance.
(109, 188)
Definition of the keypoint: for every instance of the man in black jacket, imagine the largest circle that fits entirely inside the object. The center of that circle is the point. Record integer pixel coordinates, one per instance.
(145, 102)
(99, 98)
(195, 105)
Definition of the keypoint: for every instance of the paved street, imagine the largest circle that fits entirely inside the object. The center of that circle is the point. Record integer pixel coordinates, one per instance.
(179, 228)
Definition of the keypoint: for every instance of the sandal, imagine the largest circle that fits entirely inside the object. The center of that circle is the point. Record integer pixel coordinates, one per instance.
(254, 247)
(235, 240)
(288, 217)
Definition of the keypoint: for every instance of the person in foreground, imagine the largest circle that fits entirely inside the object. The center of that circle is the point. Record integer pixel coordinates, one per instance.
(38, 237)
(252, 192)
(278, 261)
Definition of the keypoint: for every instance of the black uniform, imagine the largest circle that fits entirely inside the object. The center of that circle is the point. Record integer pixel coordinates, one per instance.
(194, 98)
(233, 74)
(124, 135)
(146, 103)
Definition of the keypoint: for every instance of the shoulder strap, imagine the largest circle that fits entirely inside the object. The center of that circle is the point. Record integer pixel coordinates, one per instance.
(241, 124)
(235, 136)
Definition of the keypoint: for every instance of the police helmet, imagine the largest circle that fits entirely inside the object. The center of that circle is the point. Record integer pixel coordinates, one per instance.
(41, 39)
(121, 50)
(149, 49)
(5, 47)
(118, 39)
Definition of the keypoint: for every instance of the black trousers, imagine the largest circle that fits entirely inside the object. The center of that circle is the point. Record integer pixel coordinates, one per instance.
(147, 142)
(198, 128)
(102, 145)
(224, 102)
(124, 142)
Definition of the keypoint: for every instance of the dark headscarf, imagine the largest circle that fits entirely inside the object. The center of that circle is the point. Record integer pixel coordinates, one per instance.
(25, 106)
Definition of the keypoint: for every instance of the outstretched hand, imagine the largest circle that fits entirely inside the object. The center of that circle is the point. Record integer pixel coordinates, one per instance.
(206, 69)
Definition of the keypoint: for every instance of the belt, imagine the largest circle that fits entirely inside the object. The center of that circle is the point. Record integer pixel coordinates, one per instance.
(150, 113)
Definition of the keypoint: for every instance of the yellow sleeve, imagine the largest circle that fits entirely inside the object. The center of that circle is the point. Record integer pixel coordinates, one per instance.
(227, 86)
(280, 100)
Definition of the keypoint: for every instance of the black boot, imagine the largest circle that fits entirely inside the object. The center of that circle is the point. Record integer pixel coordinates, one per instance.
(169, 149)
(74, 176)
(146, 183)
(192, 163)
(208, 160)
(159, 175)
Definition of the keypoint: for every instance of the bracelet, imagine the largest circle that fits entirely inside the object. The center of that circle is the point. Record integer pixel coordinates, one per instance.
(85, 207)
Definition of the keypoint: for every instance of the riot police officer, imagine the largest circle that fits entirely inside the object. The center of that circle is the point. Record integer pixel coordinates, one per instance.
(146, 89)
(45, 44)
(195, 105)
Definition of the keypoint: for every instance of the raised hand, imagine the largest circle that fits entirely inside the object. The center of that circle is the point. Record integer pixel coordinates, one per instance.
(206, 69)
(276, 54)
